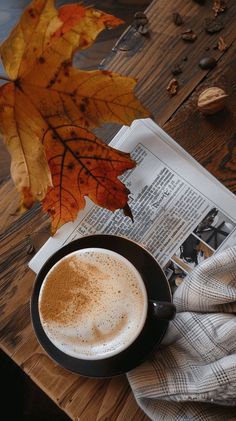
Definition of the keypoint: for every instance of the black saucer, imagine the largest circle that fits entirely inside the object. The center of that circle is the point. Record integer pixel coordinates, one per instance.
(157, 289)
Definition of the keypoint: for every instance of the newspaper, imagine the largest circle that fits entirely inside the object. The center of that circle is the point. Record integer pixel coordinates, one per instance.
(182, 214)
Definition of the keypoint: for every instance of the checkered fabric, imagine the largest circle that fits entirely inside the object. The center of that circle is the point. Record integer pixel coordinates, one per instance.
(192, 376)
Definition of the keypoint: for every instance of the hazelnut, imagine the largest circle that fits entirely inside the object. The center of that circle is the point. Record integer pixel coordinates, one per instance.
(212, 100)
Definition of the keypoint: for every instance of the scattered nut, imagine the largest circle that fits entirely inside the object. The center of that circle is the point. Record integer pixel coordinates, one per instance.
(207, 63)
(213, 25)
(177, 19)
(188, 35)
(176, 70)
(212, 100)
(173, 87)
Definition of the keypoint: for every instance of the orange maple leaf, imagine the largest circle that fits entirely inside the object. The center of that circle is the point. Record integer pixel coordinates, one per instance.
(81, 165)
(46, 95)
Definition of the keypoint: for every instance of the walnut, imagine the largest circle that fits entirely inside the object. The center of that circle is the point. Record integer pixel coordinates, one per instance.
(212, 100)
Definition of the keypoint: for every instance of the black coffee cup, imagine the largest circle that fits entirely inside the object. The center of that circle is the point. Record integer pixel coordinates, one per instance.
(160, 308)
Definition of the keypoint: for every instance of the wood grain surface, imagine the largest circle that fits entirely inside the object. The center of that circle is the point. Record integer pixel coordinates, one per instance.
(211, 140)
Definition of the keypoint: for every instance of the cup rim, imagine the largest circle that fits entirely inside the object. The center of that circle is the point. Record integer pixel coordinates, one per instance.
(120, 348)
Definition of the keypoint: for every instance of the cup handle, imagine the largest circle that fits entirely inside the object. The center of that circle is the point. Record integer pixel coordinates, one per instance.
(162, 310)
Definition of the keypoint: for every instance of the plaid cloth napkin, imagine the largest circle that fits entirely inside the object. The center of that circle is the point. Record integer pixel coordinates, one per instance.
(192, 376)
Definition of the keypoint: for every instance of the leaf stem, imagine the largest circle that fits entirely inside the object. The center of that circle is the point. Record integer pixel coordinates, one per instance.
(5, 78)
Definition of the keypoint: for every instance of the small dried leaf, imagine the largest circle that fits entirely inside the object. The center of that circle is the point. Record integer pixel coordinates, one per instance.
(173, 87)
(222, 46)
(219, 6)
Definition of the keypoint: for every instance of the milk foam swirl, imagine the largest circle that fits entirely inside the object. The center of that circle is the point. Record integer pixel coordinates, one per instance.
(92, 303)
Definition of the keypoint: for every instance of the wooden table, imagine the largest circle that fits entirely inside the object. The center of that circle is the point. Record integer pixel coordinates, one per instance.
(211, 140)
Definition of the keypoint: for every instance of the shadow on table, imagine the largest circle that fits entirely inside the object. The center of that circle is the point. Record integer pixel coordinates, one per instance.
(21, 399)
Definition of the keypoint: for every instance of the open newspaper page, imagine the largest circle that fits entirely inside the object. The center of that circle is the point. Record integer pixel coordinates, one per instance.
(182, 214)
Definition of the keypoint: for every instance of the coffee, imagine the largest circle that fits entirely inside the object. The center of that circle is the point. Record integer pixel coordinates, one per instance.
(92, 303)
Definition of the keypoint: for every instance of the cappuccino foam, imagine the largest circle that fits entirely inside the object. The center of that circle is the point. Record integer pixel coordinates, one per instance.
(92, 303)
